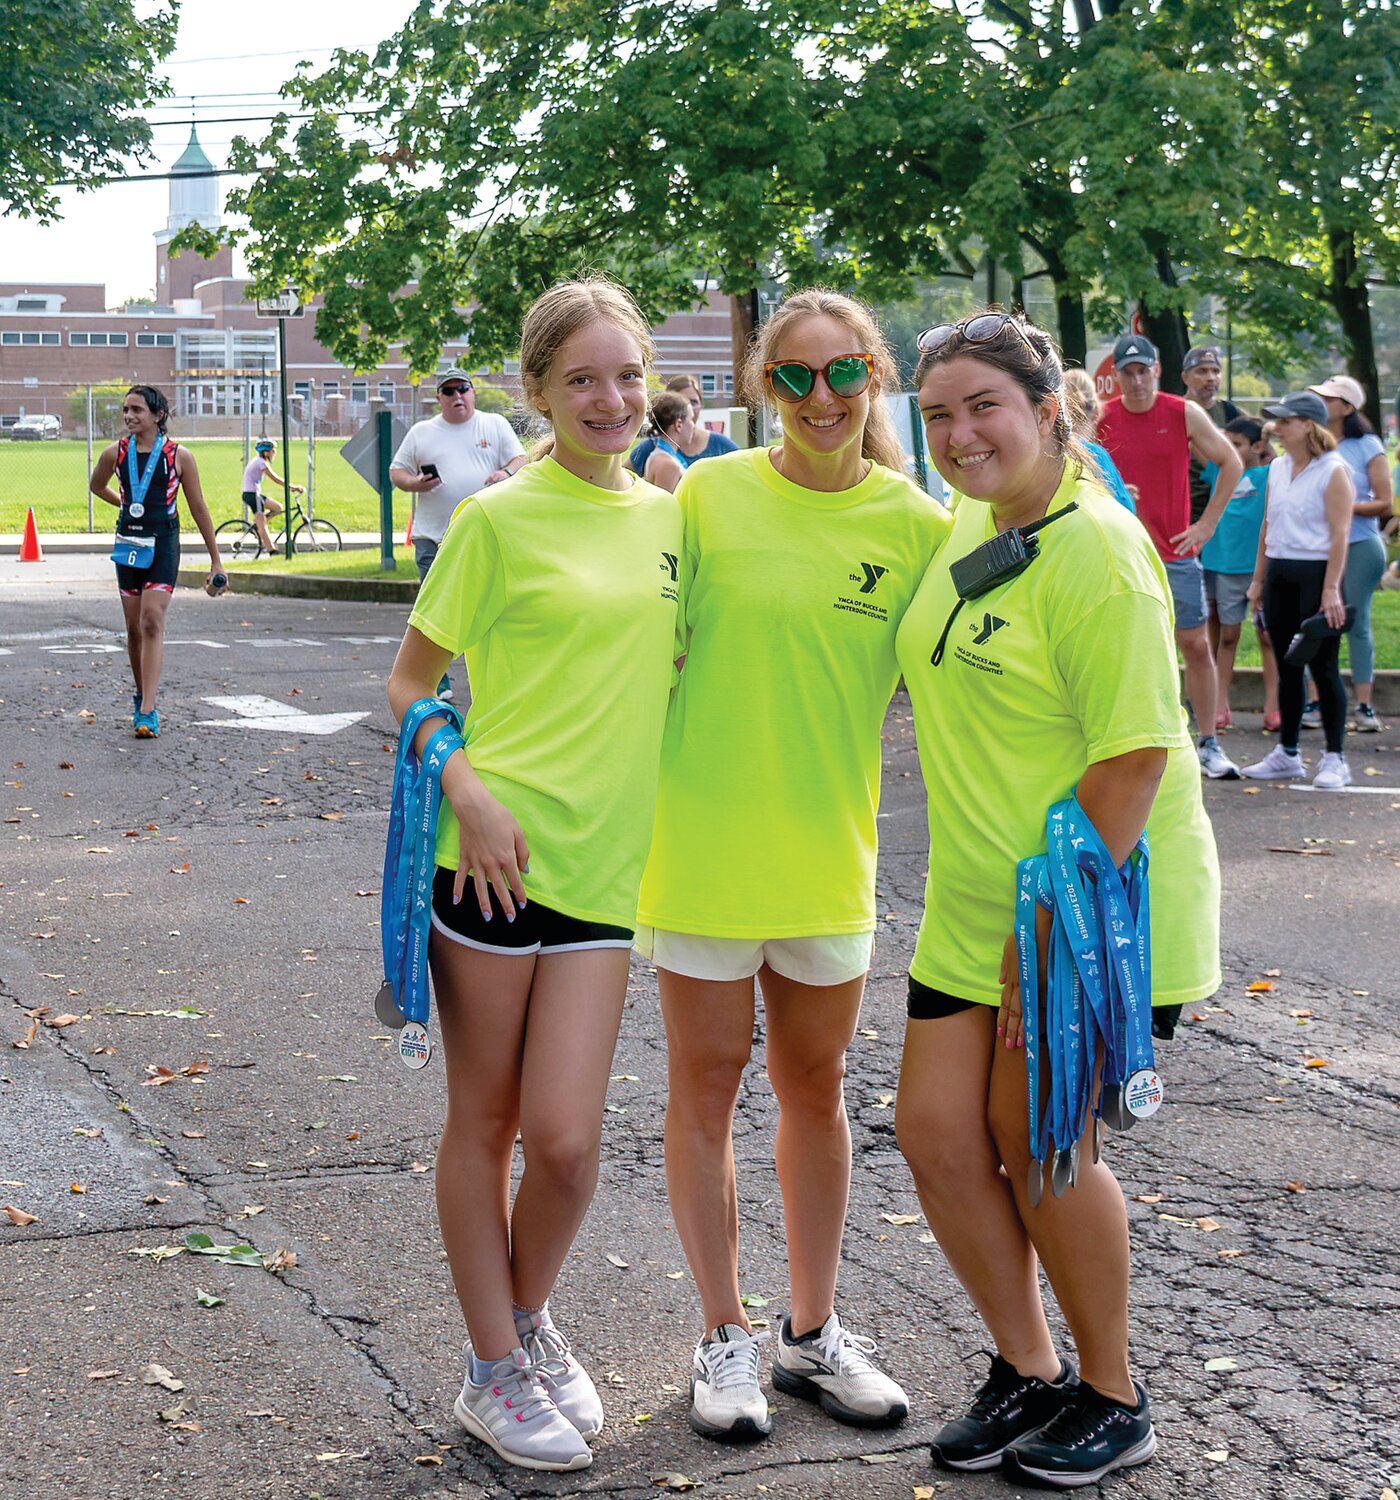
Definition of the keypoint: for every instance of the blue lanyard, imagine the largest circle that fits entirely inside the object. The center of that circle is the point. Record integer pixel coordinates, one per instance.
(405, 903)
(1098, 988)
(137, 482)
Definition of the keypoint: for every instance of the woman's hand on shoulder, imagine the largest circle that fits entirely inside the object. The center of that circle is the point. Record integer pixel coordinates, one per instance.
(491, 846)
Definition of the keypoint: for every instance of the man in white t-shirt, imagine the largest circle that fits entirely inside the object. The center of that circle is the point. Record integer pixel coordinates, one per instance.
(448, 457)
(451, 456)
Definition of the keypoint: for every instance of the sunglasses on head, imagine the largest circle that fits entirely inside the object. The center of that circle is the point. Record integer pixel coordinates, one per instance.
(979, 330)
(454, 390)
(846, 375)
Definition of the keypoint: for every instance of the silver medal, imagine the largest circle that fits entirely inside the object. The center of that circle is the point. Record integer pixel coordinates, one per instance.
(1060, 1168)
(136, 511)
(1098, 1140)
(384, 1007)
(415, 1046)
(1074, 1165)
(1115, 1115)
(1142, 1094)
(1035, 1183)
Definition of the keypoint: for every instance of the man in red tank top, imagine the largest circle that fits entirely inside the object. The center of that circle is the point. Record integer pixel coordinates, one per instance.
(1152, 437)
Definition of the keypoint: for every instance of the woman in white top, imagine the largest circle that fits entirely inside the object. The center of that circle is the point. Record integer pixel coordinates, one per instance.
(1364, 454)
(1298, 574)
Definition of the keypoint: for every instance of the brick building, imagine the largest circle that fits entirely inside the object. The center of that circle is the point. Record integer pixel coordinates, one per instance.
(202, 342)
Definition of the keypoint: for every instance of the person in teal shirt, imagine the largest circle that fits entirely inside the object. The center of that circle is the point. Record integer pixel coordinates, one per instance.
(1228, 560)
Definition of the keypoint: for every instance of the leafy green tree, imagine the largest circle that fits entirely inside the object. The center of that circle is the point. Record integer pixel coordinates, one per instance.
(74, 76)
(106, 409)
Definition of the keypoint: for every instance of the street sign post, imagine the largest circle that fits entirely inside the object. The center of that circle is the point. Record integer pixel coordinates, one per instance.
(369, 453)
(283, 305)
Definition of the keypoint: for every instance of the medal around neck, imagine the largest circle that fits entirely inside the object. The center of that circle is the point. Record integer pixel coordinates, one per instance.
(1142, 1094)
(386, 1008)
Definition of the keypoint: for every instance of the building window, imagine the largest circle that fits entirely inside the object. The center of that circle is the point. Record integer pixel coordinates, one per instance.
(330, 388)
(94, 340)
(729, 384)
(302, 388)
(9, 338)
(155, 340)
(359, 392)
(50, 339)
(31, 304)
(707, 385)
(388, 392)
(31, 339)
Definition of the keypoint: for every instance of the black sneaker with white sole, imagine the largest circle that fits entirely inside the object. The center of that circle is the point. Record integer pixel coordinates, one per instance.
(1090, 1436)
(1009, 1406)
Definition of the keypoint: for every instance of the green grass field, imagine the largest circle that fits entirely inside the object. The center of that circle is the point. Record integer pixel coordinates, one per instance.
(361, 562)
(52, 477)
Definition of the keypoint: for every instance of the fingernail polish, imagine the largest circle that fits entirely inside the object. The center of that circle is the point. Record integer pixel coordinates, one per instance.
(485, 914)
(510, 915)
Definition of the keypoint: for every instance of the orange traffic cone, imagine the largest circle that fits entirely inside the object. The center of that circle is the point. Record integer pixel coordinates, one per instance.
(29, 548)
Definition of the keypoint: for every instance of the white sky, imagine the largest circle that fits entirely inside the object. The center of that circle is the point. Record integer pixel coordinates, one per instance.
(106, 235)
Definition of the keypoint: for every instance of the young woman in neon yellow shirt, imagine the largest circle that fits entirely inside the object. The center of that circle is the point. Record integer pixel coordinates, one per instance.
(557, 584)
(1062, 677)
(798, 563)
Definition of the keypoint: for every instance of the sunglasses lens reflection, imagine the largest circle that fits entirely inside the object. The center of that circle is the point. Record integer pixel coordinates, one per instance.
(848, 377)
(791, 382)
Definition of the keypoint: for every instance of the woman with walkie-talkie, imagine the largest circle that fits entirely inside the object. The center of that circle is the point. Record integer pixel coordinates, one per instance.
(1040, 664)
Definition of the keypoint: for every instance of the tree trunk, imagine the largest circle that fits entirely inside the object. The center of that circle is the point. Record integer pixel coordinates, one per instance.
(1069, 313)
(1353, 303)
(743, 324)
(1167, 329)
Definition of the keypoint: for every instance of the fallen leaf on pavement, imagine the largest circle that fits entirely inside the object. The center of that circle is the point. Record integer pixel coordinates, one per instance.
(28, 1036)
(102, 1374)
(879, 1458)
(1219, 1456)
(207, 1299)
(1300, 1014)
(1294, 1187)
(176, 1413)
(159, 1375)
(17, 1216)
(1147, 1197)
(1221, 1364)
(675, 1482)
(1272, 973)
(57, 1022)
(76, 1187)
(369, 893)
(884, 1101)
(153, 1198)
(617, 1260)
(901, 1219)
(1317, 1062)
(1260, 986)
(282, 1260)
(1209, 1225)
(334, 1458)
(429, 1458)
(923, 1492)
(330, 817)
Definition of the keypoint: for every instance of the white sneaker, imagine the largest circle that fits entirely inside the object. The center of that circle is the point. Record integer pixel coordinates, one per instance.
(1277, 765)
(1333, 773)
(514, 1415)
(726, 1401)
(1216, 764)
(834, 1369)
(565, 1380)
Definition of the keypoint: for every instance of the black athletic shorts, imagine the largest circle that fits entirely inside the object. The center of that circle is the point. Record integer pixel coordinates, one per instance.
(162, 573)
(254, 501)
(932, 1005)
(536, 929)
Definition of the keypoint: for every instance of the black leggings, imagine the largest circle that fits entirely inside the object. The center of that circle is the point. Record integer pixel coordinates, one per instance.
(1292, 592)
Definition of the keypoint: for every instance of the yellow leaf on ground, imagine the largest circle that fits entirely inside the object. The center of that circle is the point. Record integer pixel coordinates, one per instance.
(17, 1216)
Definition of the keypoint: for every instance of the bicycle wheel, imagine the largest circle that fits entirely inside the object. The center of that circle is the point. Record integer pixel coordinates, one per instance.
(239, 540)
(316, 536)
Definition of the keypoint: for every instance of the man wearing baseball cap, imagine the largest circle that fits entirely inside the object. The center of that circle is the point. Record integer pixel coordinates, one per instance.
(1200, 374)
(448, 457)
(1152, 437)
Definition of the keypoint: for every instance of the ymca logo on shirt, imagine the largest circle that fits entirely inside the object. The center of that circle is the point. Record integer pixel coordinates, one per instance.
(868, 580)
(981, 634)
(670, 564)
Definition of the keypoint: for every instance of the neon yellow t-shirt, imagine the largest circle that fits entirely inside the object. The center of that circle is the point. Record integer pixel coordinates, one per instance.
(770, 770)
(1071, 662)
(563, 599)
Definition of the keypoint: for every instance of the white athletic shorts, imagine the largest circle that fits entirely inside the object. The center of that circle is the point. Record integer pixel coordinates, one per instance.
(806, 960)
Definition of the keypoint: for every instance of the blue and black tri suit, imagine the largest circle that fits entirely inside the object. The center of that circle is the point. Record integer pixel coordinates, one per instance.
(160, 519)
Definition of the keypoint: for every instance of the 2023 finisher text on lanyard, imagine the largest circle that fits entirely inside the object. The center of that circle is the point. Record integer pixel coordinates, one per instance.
(405, 903)
(1098, 990)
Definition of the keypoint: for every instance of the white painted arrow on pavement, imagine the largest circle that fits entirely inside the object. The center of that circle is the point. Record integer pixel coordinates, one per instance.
(257, 712)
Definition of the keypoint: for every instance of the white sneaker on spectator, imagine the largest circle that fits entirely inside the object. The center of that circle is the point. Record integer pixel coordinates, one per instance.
(513, 1414)
(726, 1400)
(1333, 773)
(1277, 765)
(1215, 763)
(557, 1369)
(833, 1368)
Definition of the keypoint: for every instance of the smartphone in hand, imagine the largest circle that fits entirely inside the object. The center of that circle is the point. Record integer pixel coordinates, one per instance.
(430, 470)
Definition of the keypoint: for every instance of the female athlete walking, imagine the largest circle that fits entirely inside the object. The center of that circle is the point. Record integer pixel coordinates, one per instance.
(1061, 677)
(557, 584)
(151, 470)
(797, 568)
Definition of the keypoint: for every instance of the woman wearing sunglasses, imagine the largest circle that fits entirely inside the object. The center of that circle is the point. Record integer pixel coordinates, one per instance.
(1061, 678)
(798, 564)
